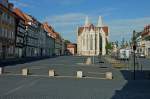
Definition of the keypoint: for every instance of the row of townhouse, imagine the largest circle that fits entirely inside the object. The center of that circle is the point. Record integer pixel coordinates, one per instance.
(146, 40)
(143, 41)
(7, 29)
(22, 35)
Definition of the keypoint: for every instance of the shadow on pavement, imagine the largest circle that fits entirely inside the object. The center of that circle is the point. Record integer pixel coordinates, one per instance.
(134, 89)
(139, 75)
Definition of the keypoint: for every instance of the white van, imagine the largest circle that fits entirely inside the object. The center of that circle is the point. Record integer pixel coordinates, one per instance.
(124, 54)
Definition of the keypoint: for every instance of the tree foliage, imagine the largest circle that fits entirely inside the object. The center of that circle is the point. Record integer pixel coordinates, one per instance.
(109, 46)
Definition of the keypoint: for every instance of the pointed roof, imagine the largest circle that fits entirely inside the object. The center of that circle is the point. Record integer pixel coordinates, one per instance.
(100, 22)
(91, 27)
(87, 22)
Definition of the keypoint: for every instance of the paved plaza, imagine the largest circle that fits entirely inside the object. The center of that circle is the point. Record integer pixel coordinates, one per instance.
(66, 66)
(65, 85)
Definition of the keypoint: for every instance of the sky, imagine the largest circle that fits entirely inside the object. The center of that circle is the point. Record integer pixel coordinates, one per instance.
(121, 16)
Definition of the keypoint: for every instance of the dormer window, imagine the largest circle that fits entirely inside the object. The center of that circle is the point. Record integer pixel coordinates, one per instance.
(30, 23)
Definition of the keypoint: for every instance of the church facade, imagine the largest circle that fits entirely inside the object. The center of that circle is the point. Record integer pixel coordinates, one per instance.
(91, 39)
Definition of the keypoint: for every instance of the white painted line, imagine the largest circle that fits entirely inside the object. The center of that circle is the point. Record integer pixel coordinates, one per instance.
(38, 68)
(12, 74)
(66, 77)
(46, 76)
(94, 78)
(22, 86)
(13, 90)
(97, 73)
(38, 76)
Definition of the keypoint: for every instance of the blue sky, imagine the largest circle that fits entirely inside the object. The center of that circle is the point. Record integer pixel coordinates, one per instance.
(122, 16)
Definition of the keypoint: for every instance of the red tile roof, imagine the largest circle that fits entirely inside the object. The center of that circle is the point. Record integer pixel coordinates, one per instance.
(105, 29)
(70, 45)
(80, 30)
(27, 17)
(19, 13)
(52, 32)
(146, 31)
(49, 29)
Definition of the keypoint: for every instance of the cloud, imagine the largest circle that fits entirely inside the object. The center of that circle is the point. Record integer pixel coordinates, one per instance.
(19, 3)
(123, 28)
(78, 18)
(66, 23)
(106, 11)
(69, 2)
(65, 19)
(120, 28)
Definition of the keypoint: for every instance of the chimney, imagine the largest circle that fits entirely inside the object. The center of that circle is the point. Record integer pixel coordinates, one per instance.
(10, 6)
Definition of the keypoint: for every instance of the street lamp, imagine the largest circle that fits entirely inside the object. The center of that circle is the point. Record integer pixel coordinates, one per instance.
(99, 57)
(134, 49)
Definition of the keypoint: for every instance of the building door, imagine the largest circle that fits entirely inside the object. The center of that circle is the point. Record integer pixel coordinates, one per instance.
(100, 44)
(41, 52)
(20, 52)
(148, 51)
(3, 51)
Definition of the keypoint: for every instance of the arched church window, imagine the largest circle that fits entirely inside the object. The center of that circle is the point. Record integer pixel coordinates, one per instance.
(100, 42)
(95, 41)
(91, 42)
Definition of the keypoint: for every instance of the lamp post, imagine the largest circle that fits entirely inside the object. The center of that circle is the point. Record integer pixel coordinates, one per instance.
(134, 49)
(99, 57)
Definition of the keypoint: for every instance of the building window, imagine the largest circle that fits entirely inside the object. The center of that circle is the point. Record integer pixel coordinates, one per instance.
(1, 12)
(0, 32)
(91, 42)
(5, 33)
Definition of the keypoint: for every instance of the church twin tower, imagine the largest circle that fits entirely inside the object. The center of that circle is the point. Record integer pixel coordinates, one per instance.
(92, 40)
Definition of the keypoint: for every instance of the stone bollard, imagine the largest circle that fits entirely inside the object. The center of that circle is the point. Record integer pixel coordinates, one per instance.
(79, 74)
(1, 70)
(51, 73)
(109, 75)
(88, 61)
(25, 72)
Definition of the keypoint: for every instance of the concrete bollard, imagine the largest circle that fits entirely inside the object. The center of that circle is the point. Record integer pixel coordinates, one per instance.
(79, 74)
(25, 72)
(51, 73)
(109, 75)
(1, 70)
(88, 61)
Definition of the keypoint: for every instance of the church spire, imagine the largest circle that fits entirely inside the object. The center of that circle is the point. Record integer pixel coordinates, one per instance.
(87, 21)
(100, 22)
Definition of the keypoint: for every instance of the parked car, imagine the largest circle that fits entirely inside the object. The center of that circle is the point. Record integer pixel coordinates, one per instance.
(140, 55)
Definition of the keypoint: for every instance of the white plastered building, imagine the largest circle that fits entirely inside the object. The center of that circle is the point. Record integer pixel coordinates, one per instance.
(92, 40)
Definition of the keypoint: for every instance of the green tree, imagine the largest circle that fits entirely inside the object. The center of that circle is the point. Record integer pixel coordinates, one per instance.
(108, 47)
(117, 44)
(67, 41)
